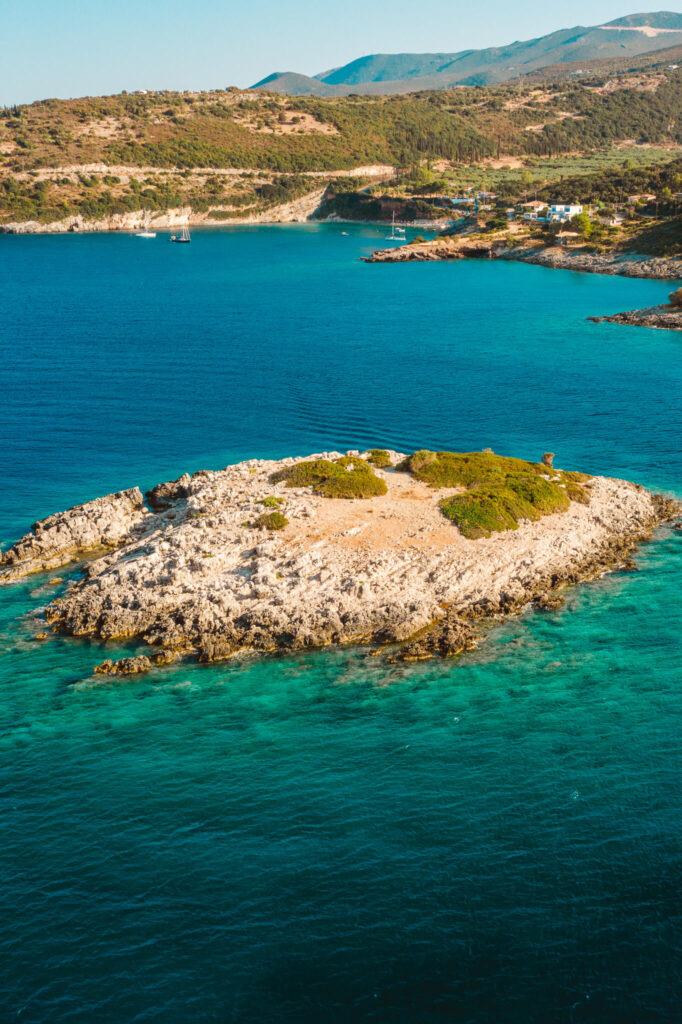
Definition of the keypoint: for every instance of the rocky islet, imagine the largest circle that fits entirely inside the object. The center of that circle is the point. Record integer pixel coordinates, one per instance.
(191, 573)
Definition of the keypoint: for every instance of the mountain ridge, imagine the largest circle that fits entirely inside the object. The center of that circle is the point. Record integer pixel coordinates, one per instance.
(386, 74)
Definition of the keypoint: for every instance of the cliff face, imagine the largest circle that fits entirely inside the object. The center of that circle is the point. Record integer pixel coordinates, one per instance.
(140, 220)
(205, 575)
(297, 211)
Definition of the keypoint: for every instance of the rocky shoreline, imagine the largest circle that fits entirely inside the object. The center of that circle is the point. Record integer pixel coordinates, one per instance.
(665, 317)
(196, 571)
(625, 264)
(297, 211)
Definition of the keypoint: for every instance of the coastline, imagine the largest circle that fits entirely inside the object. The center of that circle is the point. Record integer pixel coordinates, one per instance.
(628, 264)
(657, 268)
(299, 211)
(193, 573)
(664, 317)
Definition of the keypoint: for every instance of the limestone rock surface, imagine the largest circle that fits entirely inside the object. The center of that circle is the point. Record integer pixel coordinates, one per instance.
(198, 578)
(664, 316)
(65, 536)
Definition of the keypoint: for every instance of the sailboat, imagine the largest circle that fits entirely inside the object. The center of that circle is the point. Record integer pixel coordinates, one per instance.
(397, 233)
(183, 237)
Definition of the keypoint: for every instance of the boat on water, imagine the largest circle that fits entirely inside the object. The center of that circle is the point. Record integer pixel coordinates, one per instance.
(397, 233)
(182, 237)
(145, 234)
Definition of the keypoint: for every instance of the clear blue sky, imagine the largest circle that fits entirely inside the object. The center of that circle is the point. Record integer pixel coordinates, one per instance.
(90, 47)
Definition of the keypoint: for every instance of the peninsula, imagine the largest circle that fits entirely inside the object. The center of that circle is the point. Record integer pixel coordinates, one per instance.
(377, 548)
(579, 258)
(666, 316)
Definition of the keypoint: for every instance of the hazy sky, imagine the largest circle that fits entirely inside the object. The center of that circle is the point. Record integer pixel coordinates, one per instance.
(89, 47)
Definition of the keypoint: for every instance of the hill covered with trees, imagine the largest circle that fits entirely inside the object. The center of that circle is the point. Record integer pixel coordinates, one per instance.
(237, 150)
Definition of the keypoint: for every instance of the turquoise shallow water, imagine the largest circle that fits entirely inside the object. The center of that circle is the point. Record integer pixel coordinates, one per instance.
(325, 837)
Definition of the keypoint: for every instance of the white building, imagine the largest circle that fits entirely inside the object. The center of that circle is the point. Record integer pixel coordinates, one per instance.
(562, 212)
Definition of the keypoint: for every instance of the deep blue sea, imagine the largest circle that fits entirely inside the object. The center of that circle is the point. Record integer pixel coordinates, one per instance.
(324, 838)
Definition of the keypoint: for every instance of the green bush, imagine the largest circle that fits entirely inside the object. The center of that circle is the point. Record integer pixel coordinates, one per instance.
(271, 521)
(380, 458)
(467, 469)
(577, 493)
(500, 491)
(346, 477)
(574, 475)
(542, 495)
(480, 513)
(271, 501)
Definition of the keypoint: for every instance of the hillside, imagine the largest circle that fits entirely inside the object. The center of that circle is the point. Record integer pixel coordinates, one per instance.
(239, 153)
(389, 74)
(291, 84)
(608, 66)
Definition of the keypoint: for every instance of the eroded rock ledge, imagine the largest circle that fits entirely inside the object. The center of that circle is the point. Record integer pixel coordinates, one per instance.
(665, 317)
(59, 539)
(197, 577)
(625, 264)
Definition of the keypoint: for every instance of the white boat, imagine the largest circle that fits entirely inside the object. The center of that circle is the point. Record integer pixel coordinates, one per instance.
(397, 234)
(183, 237)
(145, 234)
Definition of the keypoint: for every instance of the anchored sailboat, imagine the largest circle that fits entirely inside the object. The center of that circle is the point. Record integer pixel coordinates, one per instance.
(183, 237)
(397, 233)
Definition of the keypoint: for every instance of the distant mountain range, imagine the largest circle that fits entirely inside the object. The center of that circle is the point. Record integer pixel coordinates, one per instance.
(381, 73)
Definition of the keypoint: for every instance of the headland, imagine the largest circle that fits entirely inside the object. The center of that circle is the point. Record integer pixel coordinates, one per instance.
(558, 257)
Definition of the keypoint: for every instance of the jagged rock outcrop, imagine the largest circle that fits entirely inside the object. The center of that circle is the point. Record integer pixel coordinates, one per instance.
(665, 316)
(549, 602)
(133, 666)
(124, 666)
(626, 264)
(164, 496)
(622, 264)
(451, 636)
(65, 536)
